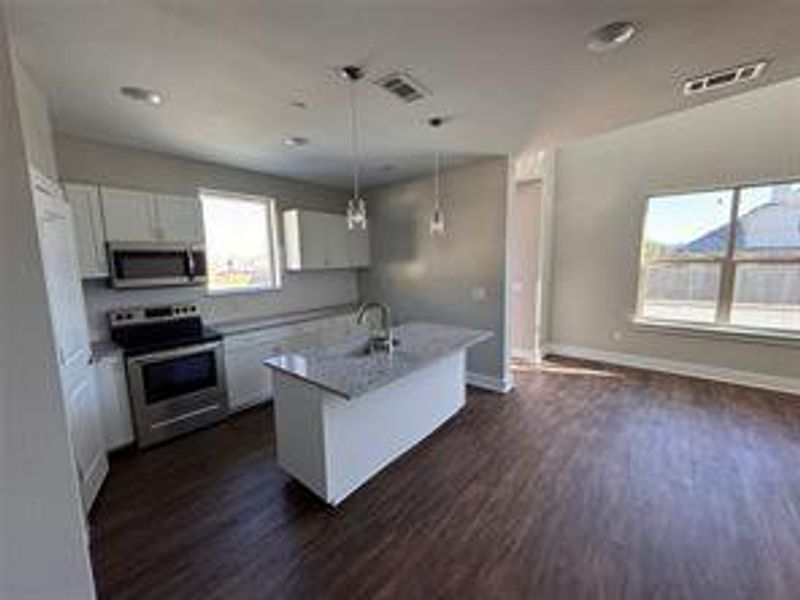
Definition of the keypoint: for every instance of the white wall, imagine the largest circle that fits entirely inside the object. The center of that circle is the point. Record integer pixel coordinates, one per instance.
(43, 548)
(434, 279)
(81, 160)
(601, 187)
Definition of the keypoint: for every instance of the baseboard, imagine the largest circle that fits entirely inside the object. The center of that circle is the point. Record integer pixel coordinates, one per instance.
(525, 354)
(789, 385)
(93, 480)
(487, 382)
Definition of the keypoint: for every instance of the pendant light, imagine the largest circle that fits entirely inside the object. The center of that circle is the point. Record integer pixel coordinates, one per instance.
(437, 228)
(356, 206)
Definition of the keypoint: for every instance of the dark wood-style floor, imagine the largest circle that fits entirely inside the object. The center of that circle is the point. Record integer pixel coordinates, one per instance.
(587, 482)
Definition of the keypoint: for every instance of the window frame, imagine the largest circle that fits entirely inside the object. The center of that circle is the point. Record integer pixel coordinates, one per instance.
(728, 261)
(273, 241)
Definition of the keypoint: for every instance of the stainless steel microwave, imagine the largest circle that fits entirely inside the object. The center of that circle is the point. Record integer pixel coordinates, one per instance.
(156, 264)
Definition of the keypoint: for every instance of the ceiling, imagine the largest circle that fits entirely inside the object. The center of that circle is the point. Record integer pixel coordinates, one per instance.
(512, 74)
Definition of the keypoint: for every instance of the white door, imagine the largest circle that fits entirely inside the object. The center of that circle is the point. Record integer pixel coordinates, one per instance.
(89, 232)
(71, 332)
(129, 215)
(179, 219)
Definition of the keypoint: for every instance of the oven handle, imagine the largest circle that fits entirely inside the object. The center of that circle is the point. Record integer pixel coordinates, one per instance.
(160, 355)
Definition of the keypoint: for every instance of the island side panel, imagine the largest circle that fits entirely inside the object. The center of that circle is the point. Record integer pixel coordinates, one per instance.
(365, 434)
(299, 431)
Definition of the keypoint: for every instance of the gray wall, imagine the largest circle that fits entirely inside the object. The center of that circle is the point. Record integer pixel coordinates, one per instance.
(43, 547)
(81, 160)
(435, 279)
(601, 186)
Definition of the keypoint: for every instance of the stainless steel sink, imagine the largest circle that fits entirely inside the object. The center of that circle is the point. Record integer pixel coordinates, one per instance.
(358, 348)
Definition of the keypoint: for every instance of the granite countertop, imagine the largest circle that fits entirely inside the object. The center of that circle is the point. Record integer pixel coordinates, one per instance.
(346, 370)
(104, 349)
(232, 327)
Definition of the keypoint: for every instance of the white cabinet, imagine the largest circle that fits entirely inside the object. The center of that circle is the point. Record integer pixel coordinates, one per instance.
(358, 248)
(129, 215)
(137, 216)
(112, 394)
(317, 240)
(179, 219)
(90, 237)
(249, 381)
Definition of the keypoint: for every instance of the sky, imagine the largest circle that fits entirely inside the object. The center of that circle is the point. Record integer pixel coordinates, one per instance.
(681, 218)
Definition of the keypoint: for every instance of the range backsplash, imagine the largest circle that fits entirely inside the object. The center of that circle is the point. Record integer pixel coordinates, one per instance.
(300, 291)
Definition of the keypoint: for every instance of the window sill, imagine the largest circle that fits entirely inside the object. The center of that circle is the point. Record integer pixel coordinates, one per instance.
(739, 334)
(242, 292)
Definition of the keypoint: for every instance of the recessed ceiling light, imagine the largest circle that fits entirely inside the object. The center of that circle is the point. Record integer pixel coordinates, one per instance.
(141, 94)
(611, 36)
(295, 141)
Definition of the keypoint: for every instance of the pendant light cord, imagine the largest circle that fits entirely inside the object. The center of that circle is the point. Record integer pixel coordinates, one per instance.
(436, 180)
(354, 137)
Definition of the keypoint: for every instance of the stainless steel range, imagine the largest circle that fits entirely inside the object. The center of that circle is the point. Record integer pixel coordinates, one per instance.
(175, 369)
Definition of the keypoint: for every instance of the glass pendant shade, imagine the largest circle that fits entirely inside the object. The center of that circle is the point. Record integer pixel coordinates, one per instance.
(437, 222)
(437, 228)
(356, 214)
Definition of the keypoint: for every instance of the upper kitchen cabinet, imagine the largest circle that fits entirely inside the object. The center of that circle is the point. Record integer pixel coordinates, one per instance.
(137, 216)
(357, 247)
(90, 234)
(129, 215)
(317, 240)
(179, 218)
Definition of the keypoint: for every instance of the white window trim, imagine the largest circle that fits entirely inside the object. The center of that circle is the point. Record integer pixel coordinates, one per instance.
(721, 327)
(273, 239)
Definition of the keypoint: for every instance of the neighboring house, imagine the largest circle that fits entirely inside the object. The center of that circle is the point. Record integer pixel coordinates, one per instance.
(775, 225)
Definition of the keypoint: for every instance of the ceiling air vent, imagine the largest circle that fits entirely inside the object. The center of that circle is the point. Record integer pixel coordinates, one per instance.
(720, 79)
(403, 86)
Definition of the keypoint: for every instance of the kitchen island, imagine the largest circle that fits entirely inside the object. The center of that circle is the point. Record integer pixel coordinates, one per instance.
(344, 412)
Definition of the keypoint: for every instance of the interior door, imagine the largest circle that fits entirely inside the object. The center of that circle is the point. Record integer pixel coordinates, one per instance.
(71, 332)
(180, 219)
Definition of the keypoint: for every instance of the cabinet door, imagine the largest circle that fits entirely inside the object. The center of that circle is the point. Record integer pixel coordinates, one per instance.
(337, 253)
(313, 240)
(179, 219)
(358, 248)
(115, 410)
(129, 215)
(249, 381)
(90, 237)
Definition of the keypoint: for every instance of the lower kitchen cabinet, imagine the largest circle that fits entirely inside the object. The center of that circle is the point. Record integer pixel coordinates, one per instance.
(249, 381)
(115, 410)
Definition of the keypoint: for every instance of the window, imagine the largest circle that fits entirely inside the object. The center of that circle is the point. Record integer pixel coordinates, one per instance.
(725, 258)
(241, 242)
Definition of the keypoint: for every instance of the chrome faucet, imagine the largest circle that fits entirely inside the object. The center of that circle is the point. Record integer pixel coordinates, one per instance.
(381, 340)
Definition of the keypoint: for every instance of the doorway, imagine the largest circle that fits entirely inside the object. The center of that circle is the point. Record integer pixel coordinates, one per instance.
(525, 225)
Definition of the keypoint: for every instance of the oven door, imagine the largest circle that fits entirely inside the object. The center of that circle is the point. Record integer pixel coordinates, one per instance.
(155, 264)
(178, 390)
